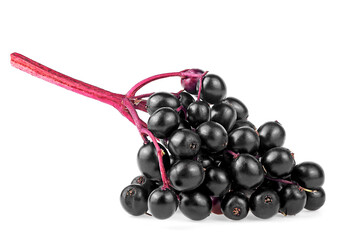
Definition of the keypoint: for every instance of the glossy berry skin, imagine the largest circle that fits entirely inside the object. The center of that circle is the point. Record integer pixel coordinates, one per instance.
(308, 175)
(162, 203)
(148, 163)
(213, 136)
(278, 162)
(213, 89)
(264, 203)
(239, 106)
(272, 134)
(184, 143)
(247, 172)
(244, 140)
(235, 205)
(190, 84)
(186, 175)
(315, 200)
(224, 114)
(161, 99)
(195, 205)
(243, 123)
(185, 99)
(133, 199)
(197, 113)
(292, 199)
(145, 182)
(163, 122)
(216, 181)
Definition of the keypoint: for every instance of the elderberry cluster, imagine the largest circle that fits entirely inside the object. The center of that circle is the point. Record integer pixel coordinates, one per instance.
(215, 160)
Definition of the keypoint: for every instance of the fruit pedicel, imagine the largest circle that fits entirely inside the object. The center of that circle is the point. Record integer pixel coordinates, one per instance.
(201, 154)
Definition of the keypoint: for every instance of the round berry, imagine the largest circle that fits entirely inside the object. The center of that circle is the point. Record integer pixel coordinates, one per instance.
(195, 205)
(162, 203)
(190, 83)
(163, 122)
(133, 199)
(315, 199)
(235, 205)
(278, 162)
(240, 108)
(213, 136)
(224, 114)
(213, 89)
(197, 113)
(308, 175)
(244, 140)
(184, 143)
(264, 203)
(272, 134)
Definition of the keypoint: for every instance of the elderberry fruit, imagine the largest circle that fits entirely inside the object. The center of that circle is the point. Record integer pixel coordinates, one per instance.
(264, 203)
(190, 83)
(224, 114)
(162, 203)
(163, 122)
(213, 136)
(292, 199)
(185, 99)
(247, 172)
(161, 99)
(278, 162)
(315, 199)
(186, 175)
(184, 143)
(213, 89)
(145, 182)
(205, 160)
(195, 205)
(216, 181)
(240, 108)
(308, 175)
(133, 199)
(244, 140)
(235, 205)
(148, 163)
(197, 113)
(272, 134)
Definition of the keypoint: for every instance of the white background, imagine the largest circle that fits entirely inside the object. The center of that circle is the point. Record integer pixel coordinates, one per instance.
(65, 158)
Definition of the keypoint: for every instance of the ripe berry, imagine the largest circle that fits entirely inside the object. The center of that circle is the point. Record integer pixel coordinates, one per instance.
(240, 108)
(278, 162)
(309, 175)
(264, 203)
(162, 203)
(184, 143)
(163, 122)
(133, 199)
(213, 136)
(247, 172)
(244, 140)
(272, 134)
(292, 199)
(197, 113)
(213, 89)
(235, 205)
(216, 181)
(161, 99)
(224, 114)
(315, 199)
(148, 162)
(195, 205)
(186, 175)
(190, 84)
(145, 182)
(185, 99)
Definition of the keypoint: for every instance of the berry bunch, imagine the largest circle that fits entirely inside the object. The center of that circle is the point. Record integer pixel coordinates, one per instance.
(204, 155)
